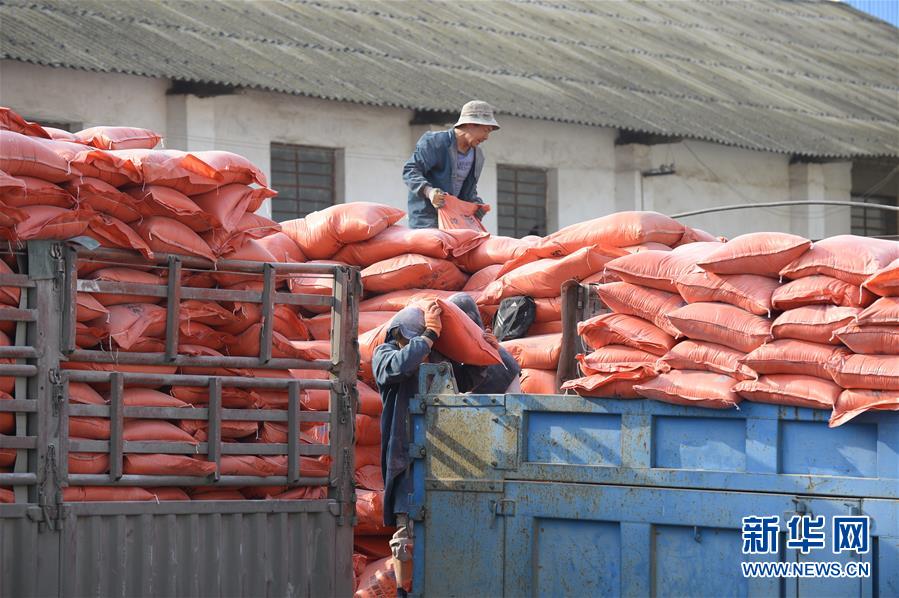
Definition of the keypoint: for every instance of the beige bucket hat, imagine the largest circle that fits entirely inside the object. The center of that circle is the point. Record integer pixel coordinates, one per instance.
(477, 112)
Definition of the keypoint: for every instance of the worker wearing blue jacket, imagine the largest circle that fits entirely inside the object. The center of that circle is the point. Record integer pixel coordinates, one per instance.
(410, 336)
(448, 163)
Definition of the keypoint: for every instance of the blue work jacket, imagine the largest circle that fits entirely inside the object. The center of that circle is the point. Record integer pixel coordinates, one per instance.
(433, 164)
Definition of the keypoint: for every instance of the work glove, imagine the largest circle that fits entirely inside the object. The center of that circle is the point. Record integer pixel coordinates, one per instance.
(432, 318)
(491, 340)
(437, 197)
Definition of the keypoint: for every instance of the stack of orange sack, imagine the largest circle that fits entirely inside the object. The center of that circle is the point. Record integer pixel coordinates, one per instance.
(766, 317)
(109, 183)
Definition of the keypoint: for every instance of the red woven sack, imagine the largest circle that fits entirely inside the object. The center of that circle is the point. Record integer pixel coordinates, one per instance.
(104, 494)
(321, 234)
(708, 357)
(747, 291)
(50, 222)
(870, 372)
(538, 382)
(688, 387)
(112, 232)
(885, 282)
(603, 385)
(102, 197)
(320, 326)
(88, 463)
(459, 214)
(659, 269)
(397, 240)
(722, 324)
(648, 304)
(21, 155)
(170, 236)
(762, 254)
(536, 352)
(870, 339)
(283, 248)
(412, 271)
(397, 300)
(157, 464)
(127, 275)
(483, 277)
(813, 323)
(38, 192)
(10, 120)
(852, 403)
(250, 226)
(226, 205)
(538, 328)
(622, 329)
(370, 512)
(130, 323)
(849, 258)
(233, 168)
(156, 200)
(791, 390)
(819, 289)
(883, 312)
(476, 252)
(147, 397)
(789, 356)
(118, 138)
(179, 170)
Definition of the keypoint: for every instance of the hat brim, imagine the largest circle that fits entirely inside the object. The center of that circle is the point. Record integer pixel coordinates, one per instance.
(477, 121)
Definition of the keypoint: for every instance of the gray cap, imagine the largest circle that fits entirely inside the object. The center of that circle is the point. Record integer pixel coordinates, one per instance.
(409, 322)
(477, 112)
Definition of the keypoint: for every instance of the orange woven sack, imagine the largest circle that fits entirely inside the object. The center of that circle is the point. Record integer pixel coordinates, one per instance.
(538, 328)
(459, 214)
(12, 189)
(246, 314)
(789, 356)
(849, 258)
(549, 309)
(615, 358)
(623, 329)
(40, 192)
(462, 340)
(233, 168)
(483, 277)
(7, 419)
(147, 397)
(763, 254)
(102, 197)
(10, 120)
(157, 464)
(313, 284)
(648, 304)
(883, 312)
(688, 387)
(21, 155)
(87, 336)
(155, 430)
(156, 200)
(88, 463)
(473, 253)
(370, 513)
(852, 403)
(397, 300)
(104, 494)
(321, 234)
(707, 357)
(250, 226)
(544, 278)
(118, 138)
(885, 282)
(50, 222)
(412, 271)
(658, 269)
(722, 324)
(820, 289)
(601, 385)
(170, 236)
(791, 390)
(320, 326)
(127, 275)
(248, 465)
(168, 493)
(112, 232)
(870, 339)
(283, 248)
(697, 235)
(538, 382)
(813, 323)
(747, 291)
(179, 170)
(232, 398)
(88, 308)
(320, 400)
(378, 580)
(621, 229)
(9, 295)
(251, 251)
(870, 372)
(130, 323)
(246, 344)
(60, 134)
(536, 352)
(226, 205)
(85, 161)
(397, 240)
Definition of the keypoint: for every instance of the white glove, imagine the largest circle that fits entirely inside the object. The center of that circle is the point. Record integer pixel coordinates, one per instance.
(437, 197)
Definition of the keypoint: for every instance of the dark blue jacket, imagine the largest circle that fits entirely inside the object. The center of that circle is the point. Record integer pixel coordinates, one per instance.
(396, 373)
(433, 163)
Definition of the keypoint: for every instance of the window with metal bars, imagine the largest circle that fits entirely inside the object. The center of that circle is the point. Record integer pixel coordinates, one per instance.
(874, 222)
(304, 178)
(521, 201)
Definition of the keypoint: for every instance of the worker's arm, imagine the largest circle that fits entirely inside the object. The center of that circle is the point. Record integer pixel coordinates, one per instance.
(392, 365)
(423, 159)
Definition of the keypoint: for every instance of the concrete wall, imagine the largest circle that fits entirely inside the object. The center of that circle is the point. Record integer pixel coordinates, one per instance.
(588, 175)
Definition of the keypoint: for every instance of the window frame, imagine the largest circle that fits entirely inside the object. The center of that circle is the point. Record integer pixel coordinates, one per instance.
(544, 201)
(297, 173)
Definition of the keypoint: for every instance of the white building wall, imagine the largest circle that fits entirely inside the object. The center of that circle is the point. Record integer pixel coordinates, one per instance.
(588, 175)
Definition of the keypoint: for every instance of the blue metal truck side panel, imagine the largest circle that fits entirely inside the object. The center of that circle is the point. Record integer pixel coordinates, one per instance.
(566, 496)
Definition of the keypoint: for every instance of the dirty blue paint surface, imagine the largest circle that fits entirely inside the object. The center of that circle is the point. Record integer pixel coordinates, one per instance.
(637, 498)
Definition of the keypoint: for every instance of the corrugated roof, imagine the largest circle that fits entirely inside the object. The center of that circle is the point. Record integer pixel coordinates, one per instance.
(808, 78)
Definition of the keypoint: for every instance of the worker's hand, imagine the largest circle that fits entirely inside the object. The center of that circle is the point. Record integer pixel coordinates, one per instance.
(491, 339)
(437, 197)
(432, 317)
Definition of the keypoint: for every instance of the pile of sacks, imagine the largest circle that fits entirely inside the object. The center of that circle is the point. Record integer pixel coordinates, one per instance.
(766, 317)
